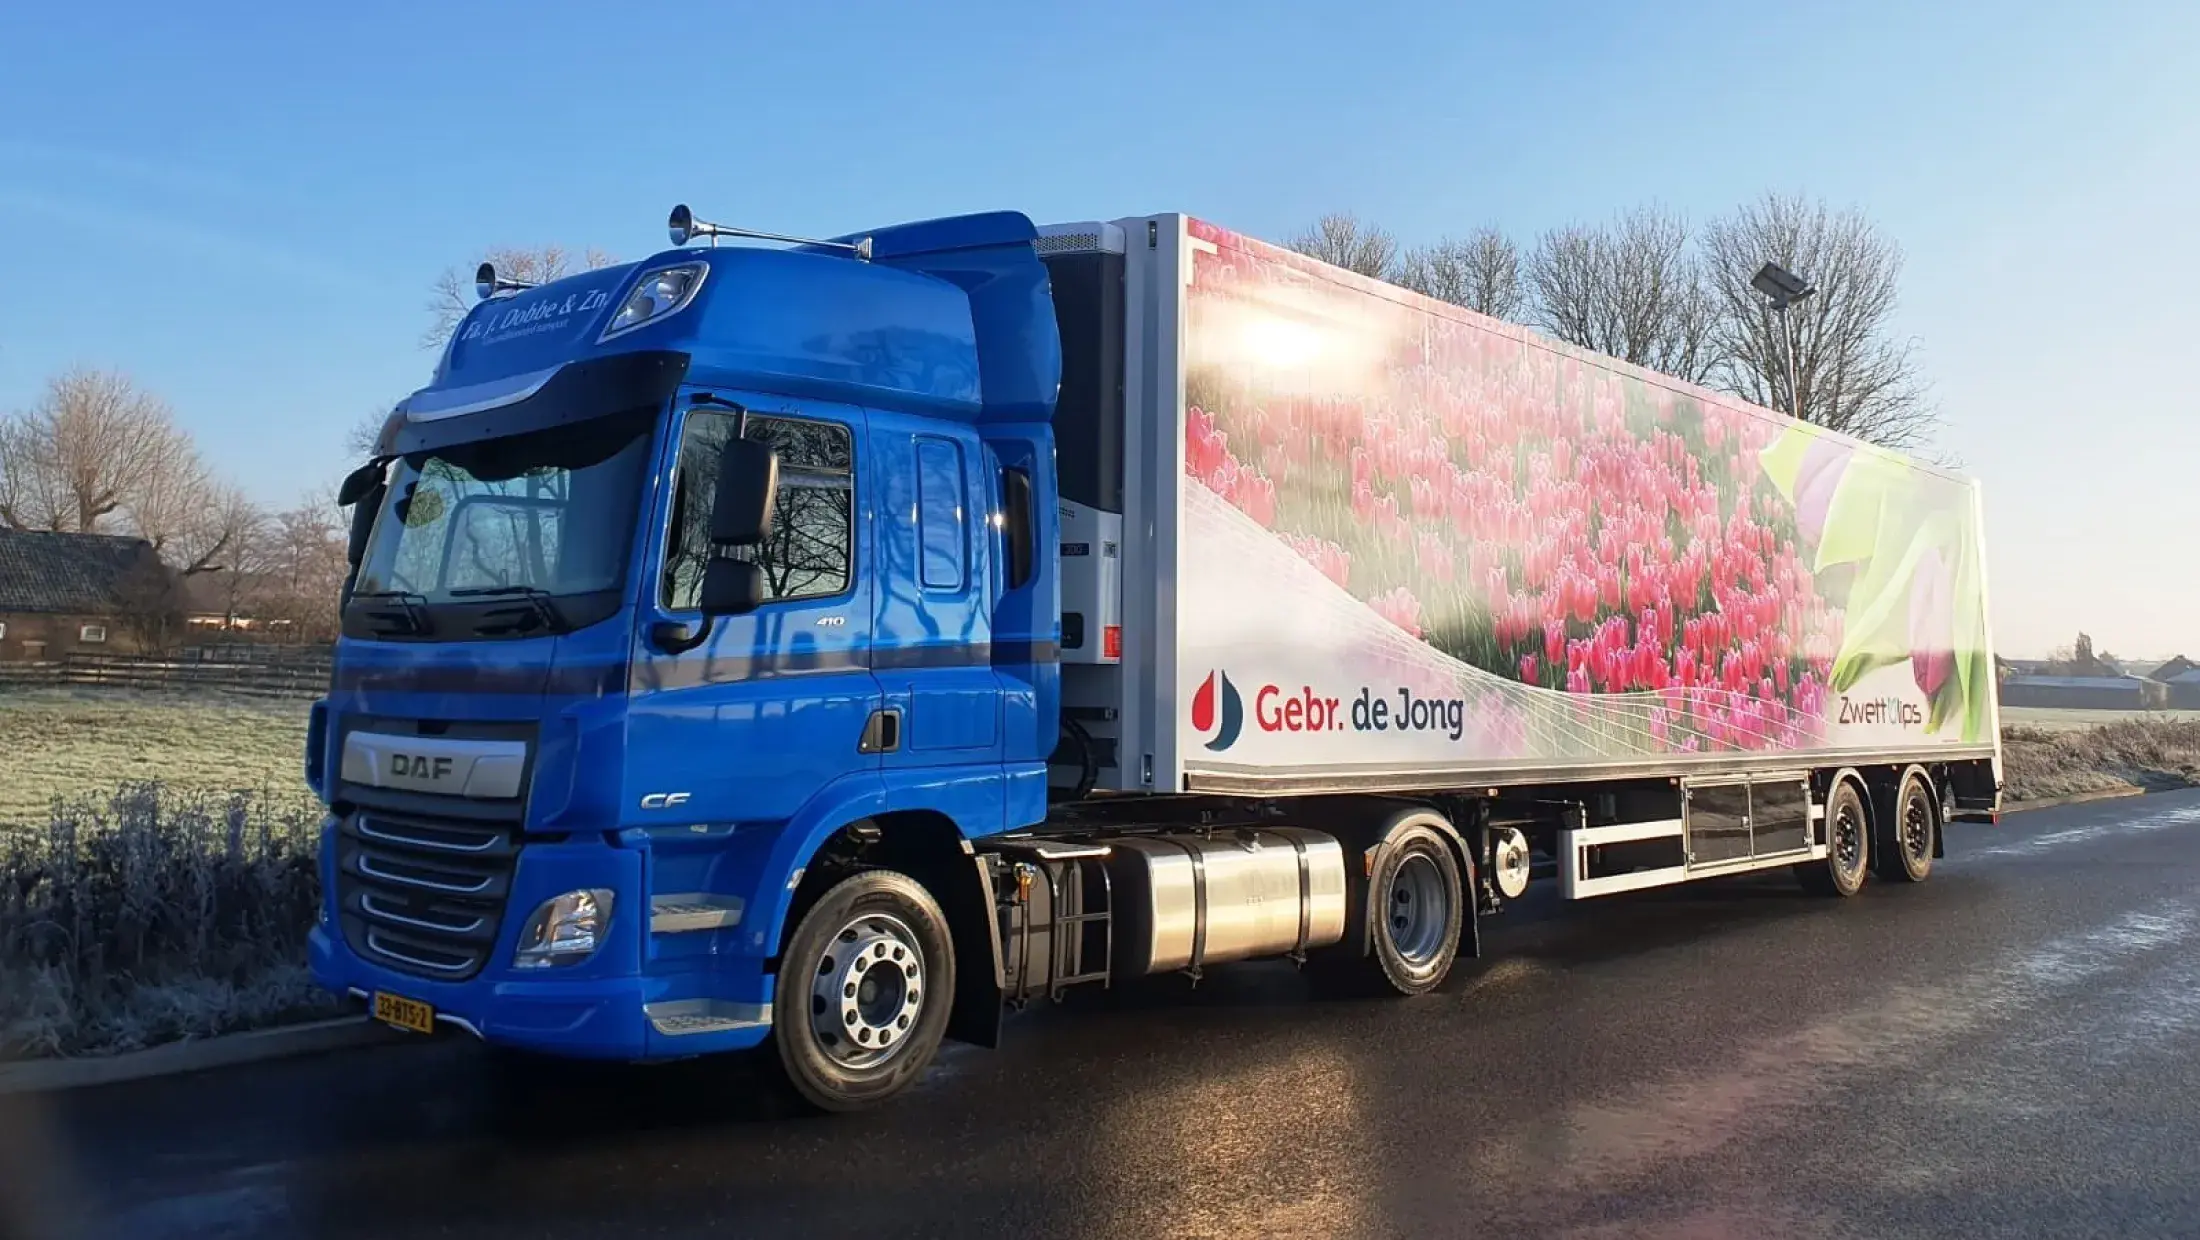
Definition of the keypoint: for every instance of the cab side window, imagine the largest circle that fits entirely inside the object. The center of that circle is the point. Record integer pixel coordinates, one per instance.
(809, 553)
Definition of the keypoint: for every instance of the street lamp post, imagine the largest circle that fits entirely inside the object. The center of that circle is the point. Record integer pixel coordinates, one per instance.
(1783, 288)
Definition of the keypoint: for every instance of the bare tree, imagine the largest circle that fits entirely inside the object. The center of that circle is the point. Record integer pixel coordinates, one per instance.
(196, 522)
(1851, 373)
(96, 444)
(454, 293)
(1631, 289)
(1481, 273)
(1341, 240)
(301, 570)
(366, 432)
(149, 604)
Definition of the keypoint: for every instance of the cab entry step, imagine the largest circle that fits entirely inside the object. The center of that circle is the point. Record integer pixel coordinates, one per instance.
(692, 911)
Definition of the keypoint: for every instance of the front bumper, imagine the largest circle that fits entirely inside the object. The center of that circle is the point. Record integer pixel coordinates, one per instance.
(600, 1008)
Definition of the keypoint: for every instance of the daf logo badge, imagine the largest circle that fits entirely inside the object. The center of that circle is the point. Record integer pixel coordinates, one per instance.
(420, 766)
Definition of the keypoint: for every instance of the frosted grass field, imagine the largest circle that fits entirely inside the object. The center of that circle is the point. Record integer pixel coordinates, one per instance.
(70, 742)
(2064, 719)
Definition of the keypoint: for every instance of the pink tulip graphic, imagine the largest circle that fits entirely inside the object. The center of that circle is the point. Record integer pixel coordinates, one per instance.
(1932, 623)
(1823, 463)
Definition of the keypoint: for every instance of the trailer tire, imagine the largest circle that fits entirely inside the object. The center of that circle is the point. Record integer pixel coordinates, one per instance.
(1848, 846)
(1413, 908)
(1903, 846)
(866, 985)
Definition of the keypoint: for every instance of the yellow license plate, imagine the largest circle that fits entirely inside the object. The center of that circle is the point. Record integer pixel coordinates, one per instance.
(403, 1013)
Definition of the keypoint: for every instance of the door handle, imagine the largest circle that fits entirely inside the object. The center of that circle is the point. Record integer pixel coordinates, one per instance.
(882, 732)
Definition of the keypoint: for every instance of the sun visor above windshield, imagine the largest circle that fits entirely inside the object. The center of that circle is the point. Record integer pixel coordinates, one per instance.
(557, 396)
(533, 329)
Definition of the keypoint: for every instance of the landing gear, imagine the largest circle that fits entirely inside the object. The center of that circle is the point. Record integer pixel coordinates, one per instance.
(1848, 846)
(864, 992)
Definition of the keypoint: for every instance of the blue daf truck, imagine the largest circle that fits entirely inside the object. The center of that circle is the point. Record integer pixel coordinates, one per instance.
(822, 648)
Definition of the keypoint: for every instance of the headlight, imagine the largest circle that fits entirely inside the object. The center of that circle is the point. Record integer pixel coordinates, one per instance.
(564, 930)
(664, 291)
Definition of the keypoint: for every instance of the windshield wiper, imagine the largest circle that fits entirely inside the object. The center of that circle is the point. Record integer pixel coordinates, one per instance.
(412, 616)
(540, 603)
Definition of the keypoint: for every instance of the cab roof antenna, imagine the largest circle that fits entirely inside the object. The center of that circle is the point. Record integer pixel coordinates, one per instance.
(684, 227)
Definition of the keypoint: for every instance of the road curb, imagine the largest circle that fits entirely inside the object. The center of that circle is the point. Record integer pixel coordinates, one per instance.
(197, 1055)
(2099, 794)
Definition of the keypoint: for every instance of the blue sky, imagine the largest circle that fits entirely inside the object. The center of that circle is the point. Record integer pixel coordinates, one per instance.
(245, 206)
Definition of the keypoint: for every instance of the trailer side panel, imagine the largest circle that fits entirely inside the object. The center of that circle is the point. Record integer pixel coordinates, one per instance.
(1418, 547)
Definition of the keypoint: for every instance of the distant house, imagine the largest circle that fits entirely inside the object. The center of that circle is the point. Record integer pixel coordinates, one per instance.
(221, 602)
(63, 593)
(2006, 668)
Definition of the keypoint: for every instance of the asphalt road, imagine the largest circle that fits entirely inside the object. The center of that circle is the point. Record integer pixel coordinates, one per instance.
(2008, 1050)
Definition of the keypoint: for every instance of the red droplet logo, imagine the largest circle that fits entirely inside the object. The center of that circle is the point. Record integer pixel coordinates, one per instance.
(1203, 705)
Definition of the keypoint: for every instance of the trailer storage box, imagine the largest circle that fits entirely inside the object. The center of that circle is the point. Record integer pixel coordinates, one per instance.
(1375, 540)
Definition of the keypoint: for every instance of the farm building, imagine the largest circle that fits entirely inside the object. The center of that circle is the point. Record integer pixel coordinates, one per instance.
(2083, 692)
(2182, 676)
(63, 593)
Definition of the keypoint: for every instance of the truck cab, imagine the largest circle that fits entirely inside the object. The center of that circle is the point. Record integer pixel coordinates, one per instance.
(677, 571)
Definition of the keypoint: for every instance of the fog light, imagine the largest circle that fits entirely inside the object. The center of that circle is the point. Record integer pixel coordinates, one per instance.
(564, 929)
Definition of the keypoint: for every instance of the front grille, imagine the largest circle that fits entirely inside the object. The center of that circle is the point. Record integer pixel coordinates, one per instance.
(423, 895)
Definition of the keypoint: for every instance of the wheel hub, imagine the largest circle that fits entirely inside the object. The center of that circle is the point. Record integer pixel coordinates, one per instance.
(1848, 839)
(1917, 827)
(868, 991)
(1417, 908)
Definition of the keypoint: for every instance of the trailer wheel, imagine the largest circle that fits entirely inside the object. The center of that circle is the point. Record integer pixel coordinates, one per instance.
(1417, 913)
(1904, 849)
(1848, 846)
(865, 988)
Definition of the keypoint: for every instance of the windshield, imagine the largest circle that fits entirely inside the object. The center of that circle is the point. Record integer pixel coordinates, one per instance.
(547, 513)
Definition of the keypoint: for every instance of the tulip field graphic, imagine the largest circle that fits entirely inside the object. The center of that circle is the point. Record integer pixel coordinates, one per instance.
(1604, 562)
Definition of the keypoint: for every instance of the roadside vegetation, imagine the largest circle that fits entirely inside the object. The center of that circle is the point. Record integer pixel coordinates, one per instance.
(2039, 762)
(156, 869)
(157, 856)
(153, 914)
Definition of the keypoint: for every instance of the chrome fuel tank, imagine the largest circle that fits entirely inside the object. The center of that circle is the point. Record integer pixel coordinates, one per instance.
(1183, 901)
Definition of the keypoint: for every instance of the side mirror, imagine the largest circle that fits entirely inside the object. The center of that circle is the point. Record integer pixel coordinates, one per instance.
(362, 526)
(731, 588)
(748, 482)
(359, 482)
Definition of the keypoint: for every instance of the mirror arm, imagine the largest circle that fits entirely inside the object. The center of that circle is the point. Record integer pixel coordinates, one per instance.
(676, 637)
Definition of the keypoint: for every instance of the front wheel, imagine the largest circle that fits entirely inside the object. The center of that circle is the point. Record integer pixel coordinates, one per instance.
(865, 986)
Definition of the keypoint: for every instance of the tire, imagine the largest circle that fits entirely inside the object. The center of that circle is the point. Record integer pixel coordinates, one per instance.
(866, 984)
(1414, 912)
(1848, 846)
(1903, 846)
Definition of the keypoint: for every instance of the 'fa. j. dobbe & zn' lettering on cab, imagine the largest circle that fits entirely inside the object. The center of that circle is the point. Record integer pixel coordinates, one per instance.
(1274, 710)
(536, 312)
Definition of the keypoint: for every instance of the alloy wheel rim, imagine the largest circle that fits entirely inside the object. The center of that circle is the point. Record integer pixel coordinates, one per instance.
(868, 991)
